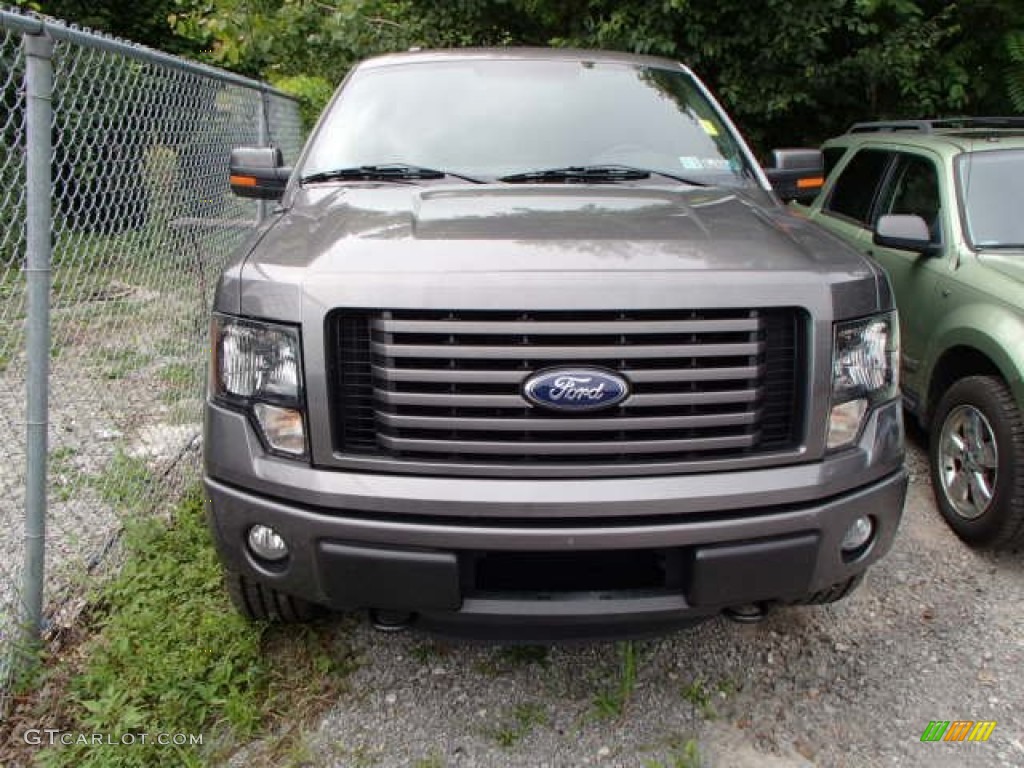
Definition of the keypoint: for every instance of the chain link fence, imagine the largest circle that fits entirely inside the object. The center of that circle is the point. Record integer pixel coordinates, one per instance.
(141, 222)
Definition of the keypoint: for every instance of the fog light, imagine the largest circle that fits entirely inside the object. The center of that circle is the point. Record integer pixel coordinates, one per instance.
(858, 534)
(282, 427)
(265, 542)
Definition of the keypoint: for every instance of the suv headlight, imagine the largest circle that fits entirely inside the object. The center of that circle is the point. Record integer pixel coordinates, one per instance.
(865, 372)
(258, 366)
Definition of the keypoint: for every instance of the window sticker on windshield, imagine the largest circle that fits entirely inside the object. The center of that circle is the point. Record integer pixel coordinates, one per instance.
(717, 163)
(708, 126)
(706, 163)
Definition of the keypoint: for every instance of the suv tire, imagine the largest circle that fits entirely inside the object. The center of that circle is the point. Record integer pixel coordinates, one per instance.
(258, 602)
(976, 447)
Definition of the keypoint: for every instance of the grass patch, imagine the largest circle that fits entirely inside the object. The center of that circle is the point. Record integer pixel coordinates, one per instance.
(428, 652)
(700, 696)
(120, 362)
(524, 655)
(126, 484)
(65, 478)
(169, 655)
(180, 380)
(513, 657)
(686, 755)
(433, 760)
(525, 717)
(613, 702)
(179, 375)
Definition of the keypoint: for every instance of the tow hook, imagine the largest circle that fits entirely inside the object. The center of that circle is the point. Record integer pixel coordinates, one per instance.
(391, 621)
(749, 613)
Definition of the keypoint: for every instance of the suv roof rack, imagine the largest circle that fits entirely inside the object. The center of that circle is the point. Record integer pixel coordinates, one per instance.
(931, 125)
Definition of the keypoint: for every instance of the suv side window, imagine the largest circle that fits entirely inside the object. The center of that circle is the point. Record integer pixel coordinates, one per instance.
(831, 157)
(914, 189)
(855, 189)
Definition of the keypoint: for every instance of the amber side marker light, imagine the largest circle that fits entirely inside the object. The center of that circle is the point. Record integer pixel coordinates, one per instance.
(811, 183)
(243, 181)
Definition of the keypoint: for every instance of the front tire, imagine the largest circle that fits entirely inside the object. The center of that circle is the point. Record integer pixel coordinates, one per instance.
(258, 602)
(976, 447)
(835, 593)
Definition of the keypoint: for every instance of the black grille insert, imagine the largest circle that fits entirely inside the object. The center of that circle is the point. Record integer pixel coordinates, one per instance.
(446, 387)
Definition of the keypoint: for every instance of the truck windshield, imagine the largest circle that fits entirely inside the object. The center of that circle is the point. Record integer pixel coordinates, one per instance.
(489, 119)
(992, 186)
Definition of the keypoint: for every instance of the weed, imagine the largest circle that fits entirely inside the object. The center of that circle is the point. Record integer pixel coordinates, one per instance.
(525, 717)
(119, 362)
(126, 484)
(425, 653)
(179, 374)
(65, 477)
(512, 657)
(686, 755)
(181, 380)
(433, 760)
(170, 656)
(699, 695)
(613, 702)
(174, 346)
(11, 340)
(523, 655)
(358, 757)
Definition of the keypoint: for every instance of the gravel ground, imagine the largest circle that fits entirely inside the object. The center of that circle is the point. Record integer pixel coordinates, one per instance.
(933, 634)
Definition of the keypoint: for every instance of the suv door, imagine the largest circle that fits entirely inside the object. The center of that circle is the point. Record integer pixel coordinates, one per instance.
(850, 202)
(913, 185)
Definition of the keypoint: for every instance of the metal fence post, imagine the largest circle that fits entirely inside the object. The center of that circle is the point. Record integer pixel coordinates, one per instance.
(39, 121)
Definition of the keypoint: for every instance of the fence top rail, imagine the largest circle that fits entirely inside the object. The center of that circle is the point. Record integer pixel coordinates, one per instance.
(35, 24)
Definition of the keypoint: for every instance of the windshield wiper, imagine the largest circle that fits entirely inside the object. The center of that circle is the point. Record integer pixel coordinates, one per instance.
(385, 172)
(598, 174)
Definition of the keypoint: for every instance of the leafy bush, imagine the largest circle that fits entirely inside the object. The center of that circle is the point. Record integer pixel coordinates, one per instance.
(313, 92)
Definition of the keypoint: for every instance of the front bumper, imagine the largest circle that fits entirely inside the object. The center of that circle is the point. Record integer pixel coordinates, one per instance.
(415, 544)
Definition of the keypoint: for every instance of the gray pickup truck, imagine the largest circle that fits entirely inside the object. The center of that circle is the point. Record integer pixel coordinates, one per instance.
(530, 349)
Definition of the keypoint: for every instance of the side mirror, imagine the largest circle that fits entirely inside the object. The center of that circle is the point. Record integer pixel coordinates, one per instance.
(905, 232)
(796, 174)
(259, 172)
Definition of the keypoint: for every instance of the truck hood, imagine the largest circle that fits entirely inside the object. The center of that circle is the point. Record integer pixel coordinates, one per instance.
(376, 245)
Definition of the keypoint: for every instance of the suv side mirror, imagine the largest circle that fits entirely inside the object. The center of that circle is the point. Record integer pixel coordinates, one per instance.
(796, 174)
(903, 231)
(259, 172)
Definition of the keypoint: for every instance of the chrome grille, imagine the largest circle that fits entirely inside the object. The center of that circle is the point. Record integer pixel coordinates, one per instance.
(447, 386)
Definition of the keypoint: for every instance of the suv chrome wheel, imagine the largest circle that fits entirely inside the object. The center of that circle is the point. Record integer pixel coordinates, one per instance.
(977, 462)
(968, 461)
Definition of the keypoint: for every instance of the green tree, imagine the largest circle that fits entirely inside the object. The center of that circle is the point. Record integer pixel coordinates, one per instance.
(790, 71)
(141, 21)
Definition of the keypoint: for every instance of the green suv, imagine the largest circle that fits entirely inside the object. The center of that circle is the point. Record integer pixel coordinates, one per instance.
(940, 205)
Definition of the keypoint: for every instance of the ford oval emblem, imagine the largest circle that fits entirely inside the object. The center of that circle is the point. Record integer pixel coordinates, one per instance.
(575, 389)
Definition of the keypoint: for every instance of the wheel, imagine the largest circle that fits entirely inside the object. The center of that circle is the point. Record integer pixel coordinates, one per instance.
(834, 593)
(258, 602)
(976, 447)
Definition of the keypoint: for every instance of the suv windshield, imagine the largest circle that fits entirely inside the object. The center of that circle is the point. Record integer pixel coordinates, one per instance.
(490, 119)
(992, 186)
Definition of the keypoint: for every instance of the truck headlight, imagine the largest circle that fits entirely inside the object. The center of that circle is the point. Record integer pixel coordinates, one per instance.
(258, 366)
(865, 372)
